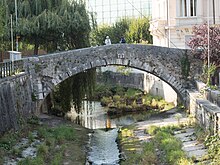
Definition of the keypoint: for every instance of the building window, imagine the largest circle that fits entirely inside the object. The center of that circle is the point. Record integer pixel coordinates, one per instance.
(193, 4)
(183, 8)
(188, 8)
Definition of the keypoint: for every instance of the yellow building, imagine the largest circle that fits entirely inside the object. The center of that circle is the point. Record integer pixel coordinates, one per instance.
(172, 20)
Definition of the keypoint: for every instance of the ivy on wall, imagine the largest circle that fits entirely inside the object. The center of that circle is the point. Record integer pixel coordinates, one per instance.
(185, 66)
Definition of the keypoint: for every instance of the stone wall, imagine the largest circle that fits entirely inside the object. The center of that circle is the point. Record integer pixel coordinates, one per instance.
(15, 101)
(206, 113)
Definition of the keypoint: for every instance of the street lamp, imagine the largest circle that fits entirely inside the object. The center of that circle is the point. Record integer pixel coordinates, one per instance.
(16, 21)
(208, 37)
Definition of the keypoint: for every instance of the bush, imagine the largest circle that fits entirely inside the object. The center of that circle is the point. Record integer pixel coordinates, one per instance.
(153, 130)
(171, 146)
(34, 161)
(154, 103)
(105, 101)
(161, 104)
(43, 150)
(132, 92)
(175, 155)
(116, 98)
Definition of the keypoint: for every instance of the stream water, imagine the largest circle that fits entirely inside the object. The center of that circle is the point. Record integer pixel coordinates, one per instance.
(103, 148)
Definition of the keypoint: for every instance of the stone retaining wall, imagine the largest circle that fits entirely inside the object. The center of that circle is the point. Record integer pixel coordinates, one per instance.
(206, 113)
(15, 101)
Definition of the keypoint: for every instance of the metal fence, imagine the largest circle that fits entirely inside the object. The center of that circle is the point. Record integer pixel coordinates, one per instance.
(11, 68)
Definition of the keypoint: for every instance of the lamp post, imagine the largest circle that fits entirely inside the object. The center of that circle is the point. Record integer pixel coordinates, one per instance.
(16, 22)
(12, 35)
(208, 38)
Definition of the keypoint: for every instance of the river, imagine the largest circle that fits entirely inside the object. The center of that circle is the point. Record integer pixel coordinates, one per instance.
(102, 148)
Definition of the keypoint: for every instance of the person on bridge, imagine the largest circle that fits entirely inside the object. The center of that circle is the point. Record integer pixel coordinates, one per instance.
(107, 41)
(122, 41)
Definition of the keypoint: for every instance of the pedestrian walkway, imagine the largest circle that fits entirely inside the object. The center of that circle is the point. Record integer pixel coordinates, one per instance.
(193, 148)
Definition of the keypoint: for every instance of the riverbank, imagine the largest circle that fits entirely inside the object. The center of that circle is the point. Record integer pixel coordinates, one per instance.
(144, 142)
(45, 140)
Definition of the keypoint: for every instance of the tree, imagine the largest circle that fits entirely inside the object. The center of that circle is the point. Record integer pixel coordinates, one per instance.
(4, 35)
(134, 30)
(200, 43)
(138, 31)
(98, 34)
(51, 24)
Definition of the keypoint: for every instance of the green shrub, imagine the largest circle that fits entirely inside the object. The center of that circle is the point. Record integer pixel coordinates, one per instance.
(116, 98)
(29, 161)
(30, 137)
(147, 99)
(132, 92)
(42, 150)
(105, 101)
(154, 103)
(175, 155)
(184, 161)
(170, 145)
(152, 130)
(118, 90)
(161, 104)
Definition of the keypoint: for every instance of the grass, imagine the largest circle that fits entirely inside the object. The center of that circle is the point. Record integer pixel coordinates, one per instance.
(169, 145)
(50, 151)
(136, 152)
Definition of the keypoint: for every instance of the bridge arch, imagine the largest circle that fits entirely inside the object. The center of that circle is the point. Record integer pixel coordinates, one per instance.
(49, 70)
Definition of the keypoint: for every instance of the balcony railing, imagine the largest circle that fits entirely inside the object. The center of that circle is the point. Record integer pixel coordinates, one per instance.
(11, 68)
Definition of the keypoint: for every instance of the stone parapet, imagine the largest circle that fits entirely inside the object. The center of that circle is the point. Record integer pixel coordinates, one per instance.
(206, 113)
(212, 95)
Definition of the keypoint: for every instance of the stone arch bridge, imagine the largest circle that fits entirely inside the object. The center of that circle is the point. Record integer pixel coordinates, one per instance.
(166, 63)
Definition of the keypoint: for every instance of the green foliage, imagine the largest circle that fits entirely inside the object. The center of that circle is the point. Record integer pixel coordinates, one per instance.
(208, 72)
(118, 90)
(147, 99)
(132, 92)
(213, 144)
(7, 141)
(74, 90)
(42, 22)
(134, 30)
(1, 21)
(136, 152)
(152, 130)
(169, 145)
(138, 31)
(116, 98)
(32, 161)
(17, 152)
(124, 70)
(30, 137)
(33, 120)
(106, 101)
(102, 90)
(59, 133)
(200, 133)
(42, 150)
(185, 66)
(57, 159)
(97, 36)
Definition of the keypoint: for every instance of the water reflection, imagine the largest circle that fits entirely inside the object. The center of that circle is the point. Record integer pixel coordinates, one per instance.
(103, 148)
(94, 116)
